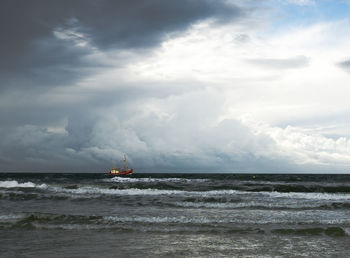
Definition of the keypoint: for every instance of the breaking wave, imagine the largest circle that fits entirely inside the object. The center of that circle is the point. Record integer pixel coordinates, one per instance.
(314, 196)
(105, 191)
(159, 219)
(14, 184)
(154, 191)
(229, 195)
(151, 180)
(10, 217)
(173, 183)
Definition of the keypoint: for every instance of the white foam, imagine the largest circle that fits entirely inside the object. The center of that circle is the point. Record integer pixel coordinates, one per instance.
(151, 180)
(68, 226)
(207, 205)
(95, 190)
(347, 231)
(14, 183)
(158, 219)
(10, 217)
(313, 196)
(130, 191)
(291, 195)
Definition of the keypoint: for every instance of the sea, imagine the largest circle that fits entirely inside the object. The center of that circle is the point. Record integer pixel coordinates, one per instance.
(174, 215)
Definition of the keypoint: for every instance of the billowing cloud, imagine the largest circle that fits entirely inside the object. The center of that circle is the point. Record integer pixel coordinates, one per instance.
(190, 86)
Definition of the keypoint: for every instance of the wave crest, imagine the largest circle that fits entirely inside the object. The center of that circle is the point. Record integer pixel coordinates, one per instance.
(151, 180)
(14, 184)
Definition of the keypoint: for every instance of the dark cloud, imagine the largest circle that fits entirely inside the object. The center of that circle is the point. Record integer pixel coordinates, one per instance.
(133, 24)
(47, 47)
(281, 63)
(151, 141)
(52, 119)
(31, 55)
(345, 65)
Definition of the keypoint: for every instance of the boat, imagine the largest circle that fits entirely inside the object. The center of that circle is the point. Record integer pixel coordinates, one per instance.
(121, 172)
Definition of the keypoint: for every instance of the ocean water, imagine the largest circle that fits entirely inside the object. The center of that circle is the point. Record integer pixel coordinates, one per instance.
(175, 215)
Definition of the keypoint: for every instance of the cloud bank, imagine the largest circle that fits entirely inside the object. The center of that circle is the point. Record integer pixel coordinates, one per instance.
(180, 86)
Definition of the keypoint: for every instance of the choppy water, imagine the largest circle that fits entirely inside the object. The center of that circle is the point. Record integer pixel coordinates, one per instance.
(147, 215)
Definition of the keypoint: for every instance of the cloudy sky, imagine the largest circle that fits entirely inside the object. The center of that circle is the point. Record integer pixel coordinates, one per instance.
(179, 86)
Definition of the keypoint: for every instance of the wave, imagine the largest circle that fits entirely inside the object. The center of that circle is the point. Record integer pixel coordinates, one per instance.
(336, 205)
(159, 219)
(207, 186)
(151, 180)
(309, 196)
(14, 184)
(25, 196)
(329, 231)
(154, 191)
(105, 191)
(256, 205)
(297, 188)
(212, 184)
(187, 200)
(93, 190)
(215, 196)
(97, 191)
(9, 217)
(42, 220)
(49, 218)
(164, 224)
(246, 205)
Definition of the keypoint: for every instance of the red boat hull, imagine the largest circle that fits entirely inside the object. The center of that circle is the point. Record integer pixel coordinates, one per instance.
(121, 173)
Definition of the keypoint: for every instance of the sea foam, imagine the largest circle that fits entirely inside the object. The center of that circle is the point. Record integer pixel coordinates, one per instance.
(14, 183)
(151, 180)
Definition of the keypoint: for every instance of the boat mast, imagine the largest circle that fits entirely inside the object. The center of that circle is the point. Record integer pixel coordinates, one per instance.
(125, 165)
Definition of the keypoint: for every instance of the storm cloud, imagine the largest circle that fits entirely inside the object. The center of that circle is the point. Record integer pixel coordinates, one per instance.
(171, 83)
(33, 44)
(48, 47)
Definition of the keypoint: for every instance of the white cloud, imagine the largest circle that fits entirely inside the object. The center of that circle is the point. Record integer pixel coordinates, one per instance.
(212, 56)
(304, 145)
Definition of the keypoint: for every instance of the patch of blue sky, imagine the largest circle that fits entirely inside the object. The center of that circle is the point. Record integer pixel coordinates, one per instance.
(288, 14)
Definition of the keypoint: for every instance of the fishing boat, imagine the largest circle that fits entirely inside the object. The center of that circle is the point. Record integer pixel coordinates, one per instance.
(121, 172)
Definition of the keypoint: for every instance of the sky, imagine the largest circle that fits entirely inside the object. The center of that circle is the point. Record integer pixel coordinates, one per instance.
(235, 86)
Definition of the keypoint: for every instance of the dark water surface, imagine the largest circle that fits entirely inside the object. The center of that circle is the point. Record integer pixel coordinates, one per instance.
(191, 215)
